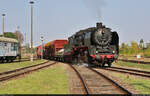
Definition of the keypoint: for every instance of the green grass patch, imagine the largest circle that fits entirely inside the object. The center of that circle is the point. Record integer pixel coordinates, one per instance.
(48, 81)
(132, 65)
(15, 65)
(140, 84)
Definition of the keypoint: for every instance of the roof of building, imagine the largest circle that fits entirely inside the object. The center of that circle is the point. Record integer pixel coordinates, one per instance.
(4, 39)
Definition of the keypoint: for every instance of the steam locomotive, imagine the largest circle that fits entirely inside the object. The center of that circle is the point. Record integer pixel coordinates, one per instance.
(98, 45)
(95, 45)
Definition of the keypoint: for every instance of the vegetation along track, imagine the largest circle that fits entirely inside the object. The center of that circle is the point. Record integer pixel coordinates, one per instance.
(94, 82)
(21, 71)
(129, 71)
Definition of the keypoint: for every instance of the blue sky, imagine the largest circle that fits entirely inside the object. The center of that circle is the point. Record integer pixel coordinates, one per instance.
(59, 19)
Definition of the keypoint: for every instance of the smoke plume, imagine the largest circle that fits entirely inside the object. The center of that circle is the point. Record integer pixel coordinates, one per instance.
(95, 6)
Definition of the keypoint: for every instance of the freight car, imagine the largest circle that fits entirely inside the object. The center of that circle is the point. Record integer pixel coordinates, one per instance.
(39, 51)
(9, 49)
(54, 50)
(95, 45)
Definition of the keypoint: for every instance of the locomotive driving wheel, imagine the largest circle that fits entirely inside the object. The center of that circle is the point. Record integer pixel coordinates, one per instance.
(88, 59)
(103, 64)
(74, 60)
(109, 64)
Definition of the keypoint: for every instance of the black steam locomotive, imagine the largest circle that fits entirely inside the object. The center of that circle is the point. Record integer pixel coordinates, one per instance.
(95, 45)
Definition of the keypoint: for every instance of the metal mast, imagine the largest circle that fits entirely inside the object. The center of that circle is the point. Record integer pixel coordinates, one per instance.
(3, 23)
(31, 3)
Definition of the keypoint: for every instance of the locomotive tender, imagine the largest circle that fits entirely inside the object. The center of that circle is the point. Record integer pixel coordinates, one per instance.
(9, 49)
(98, 45)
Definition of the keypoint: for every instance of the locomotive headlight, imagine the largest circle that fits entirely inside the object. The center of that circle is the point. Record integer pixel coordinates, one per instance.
(96, 52)
(113, 51)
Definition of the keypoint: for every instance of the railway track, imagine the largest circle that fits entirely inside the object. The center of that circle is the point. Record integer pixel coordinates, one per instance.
(94, 82)
(22, 60)
(4, 76)
(134, 61)
(129, 71)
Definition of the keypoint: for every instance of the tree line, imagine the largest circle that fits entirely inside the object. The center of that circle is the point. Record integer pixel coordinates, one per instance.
(135, 48)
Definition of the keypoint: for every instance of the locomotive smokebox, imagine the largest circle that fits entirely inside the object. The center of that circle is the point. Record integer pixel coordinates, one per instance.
(99, 25)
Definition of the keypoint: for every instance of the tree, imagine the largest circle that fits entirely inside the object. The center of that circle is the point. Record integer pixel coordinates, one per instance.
(19, 36)
(134, 47)
(124, 48)
(27, 48)
(10, 35)
(141, 45)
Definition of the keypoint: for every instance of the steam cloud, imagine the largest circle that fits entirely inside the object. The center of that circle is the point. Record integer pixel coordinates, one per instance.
(96, 7)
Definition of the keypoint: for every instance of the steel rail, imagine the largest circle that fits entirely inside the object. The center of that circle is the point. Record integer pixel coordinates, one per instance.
(23, 60)
(110, 80)
(129, 71)
(134, 61)
(11, 71)
(86, 90)
(25, 72)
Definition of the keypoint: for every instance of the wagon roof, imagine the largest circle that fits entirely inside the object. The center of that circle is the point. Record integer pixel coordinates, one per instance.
(58, 41)
(4, 39)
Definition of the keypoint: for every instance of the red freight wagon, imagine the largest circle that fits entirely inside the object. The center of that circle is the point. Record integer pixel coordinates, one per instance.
(53, 47)
(39, 51)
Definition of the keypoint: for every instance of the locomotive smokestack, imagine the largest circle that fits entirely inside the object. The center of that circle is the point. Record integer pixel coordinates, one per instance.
(99, 25)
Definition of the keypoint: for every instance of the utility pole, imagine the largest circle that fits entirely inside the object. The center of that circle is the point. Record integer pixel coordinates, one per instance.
(31, 3)
(42, 46)
(19, 39)
(3, 23)
(25, 44)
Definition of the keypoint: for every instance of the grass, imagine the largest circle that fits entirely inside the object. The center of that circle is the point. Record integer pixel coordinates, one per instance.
(48, 81)
(140, 84)
(133, 65)
(15, 65)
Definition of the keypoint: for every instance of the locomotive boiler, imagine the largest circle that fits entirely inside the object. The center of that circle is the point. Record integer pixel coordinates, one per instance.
(95, 45)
